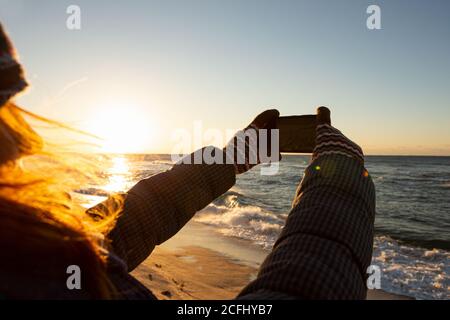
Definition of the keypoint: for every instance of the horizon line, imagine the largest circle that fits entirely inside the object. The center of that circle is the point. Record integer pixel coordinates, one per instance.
(284, 154)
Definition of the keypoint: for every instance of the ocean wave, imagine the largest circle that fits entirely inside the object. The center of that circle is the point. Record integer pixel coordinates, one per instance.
(445, 185)
(434, 175)
(378, 179)
(163, 162)
(412, 271)
(248, 222)
(93, 192)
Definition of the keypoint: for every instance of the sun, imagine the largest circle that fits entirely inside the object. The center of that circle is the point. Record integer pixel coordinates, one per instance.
(122, 128)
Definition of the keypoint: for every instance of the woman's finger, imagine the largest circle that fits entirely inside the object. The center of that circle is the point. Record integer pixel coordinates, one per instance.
(323, 116)
(265, 118)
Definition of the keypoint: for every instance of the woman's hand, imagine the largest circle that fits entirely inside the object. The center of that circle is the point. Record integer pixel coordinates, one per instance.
(244, 147)
(330, 140)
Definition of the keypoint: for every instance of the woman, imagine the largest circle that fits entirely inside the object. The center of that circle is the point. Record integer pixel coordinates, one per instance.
(322, 253)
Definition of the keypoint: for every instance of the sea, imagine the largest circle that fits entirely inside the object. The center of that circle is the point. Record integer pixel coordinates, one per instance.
(412, 242)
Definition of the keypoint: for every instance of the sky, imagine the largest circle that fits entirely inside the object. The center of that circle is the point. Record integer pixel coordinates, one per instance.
(137, 71)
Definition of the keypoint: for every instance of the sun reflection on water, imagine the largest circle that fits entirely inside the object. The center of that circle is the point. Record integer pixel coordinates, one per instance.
(119, 175)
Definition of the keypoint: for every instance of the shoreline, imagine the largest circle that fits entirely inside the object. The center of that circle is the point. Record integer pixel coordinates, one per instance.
(199, 263)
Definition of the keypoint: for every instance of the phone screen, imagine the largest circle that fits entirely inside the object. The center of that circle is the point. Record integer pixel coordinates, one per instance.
(297, 133)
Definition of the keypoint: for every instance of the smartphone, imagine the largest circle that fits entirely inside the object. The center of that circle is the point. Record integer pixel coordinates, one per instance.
(297, 133)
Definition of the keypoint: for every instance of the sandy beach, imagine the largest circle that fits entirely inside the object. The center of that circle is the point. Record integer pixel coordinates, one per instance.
(199, 263)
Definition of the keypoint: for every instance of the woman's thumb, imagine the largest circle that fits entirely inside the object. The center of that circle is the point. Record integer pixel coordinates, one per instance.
(323, 116)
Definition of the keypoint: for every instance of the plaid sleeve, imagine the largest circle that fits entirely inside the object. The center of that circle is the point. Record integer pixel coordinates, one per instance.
(326, 245)
(158, 207)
